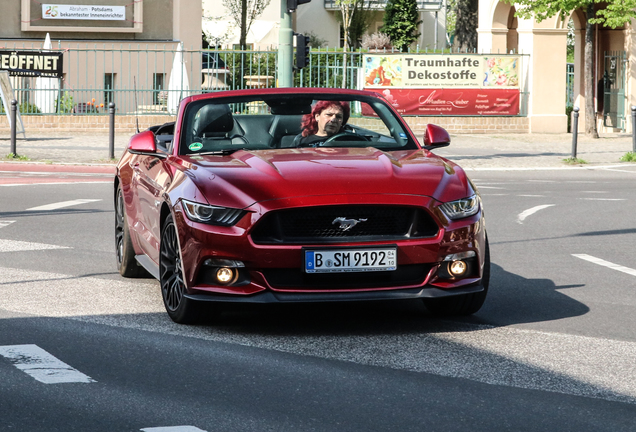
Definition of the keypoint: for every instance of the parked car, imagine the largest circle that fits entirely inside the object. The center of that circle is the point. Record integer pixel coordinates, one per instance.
(230, 203)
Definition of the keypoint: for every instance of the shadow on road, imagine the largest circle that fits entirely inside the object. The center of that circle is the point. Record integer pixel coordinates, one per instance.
(512, 300)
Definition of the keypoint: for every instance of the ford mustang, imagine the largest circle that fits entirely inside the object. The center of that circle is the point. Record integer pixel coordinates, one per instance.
(298, 195)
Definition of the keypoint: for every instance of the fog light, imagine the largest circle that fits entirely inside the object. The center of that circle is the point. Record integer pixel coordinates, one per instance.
(457, 268)
(225, 275)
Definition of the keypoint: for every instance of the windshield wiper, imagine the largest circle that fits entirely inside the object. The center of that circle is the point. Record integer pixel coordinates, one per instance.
(219, 152)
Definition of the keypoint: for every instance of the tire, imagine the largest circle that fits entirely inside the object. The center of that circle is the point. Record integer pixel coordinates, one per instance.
(180, 309)
(126, 262)
(464, 304)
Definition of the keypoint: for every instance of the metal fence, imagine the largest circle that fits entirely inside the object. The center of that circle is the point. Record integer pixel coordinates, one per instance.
(151, 79)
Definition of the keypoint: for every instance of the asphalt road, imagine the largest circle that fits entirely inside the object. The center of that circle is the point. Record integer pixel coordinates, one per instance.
(553, 348)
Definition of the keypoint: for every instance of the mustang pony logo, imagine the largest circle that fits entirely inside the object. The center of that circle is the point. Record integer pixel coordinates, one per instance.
(346, 224)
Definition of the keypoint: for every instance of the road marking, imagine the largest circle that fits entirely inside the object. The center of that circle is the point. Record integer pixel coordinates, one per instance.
(4, 223)
(502, 356)
(55, 183)
(601, 262)
(532, 196)
(173, 429)
(62, 204)
(524, 214)
(41, 365)
(489, 187)
(603, 199)
(22, 246)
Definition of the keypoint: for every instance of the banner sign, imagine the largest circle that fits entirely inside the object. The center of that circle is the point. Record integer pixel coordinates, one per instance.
(437, 70)
(78, 12)
(474, 102)
(445, 84)
(32, 63)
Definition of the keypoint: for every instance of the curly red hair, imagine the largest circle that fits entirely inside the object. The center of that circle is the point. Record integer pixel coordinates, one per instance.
(309, 123)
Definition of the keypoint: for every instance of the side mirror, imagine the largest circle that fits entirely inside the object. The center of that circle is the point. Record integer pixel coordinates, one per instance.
(143, 142)
(435, 137)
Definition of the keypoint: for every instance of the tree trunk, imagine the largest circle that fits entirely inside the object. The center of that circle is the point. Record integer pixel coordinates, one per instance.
(243, 39)
(590, 115)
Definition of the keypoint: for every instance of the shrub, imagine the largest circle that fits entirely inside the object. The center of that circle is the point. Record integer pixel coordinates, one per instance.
(376, 41)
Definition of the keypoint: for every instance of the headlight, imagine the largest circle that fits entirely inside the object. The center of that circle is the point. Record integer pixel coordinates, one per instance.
(461, 208)
(212, 215)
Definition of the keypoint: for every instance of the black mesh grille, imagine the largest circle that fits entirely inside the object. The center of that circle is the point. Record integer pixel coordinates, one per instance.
(329, 224)
(296, 279)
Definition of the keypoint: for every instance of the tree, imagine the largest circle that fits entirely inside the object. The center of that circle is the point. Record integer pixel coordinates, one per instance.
(611, 13)
(401, 20)
(465, 14)
(348, 9)
(244, 12)
(359, 18)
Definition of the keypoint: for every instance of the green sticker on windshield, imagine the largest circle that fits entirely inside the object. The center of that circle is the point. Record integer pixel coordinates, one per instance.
(195, 146)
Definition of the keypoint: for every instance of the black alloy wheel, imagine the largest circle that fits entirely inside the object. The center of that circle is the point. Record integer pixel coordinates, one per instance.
(126, 262)
(180, 309)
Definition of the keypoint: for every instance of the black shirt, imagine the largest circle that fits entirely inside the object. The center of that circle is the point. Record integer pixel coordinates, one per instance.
(313, 140)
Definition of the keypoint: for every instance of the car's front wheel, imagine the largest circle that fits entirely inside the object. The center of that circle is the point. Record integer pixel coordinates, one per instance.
(465, 304)
(181, 309)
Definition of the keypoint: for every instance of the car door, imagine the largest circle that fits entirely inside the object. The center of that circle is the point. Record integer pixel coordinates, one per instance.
(150, 178)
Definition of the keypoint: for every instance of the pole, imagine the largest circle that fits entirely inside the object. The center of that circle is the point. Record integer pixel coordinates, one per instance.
(14, 127)
(575, 130)
(111, 131)
(633, 128)
(285, 47)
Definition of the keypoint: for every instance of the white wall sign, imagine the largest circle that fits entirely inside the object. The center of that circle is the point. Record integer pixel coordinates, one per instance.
(78, 12)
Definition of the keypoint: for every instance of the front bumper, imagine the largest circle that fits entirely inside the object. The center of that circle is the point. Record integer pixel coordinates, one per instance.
(257, 284)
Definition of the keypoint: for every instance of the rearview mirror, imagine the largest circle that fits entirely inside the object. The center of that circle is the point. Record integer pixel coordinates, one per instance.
(143, 142)
(435, 137)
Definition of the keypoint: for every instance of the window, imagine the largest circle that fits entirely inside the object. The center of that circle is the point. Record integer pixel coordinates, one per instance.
(109, 86)
(158, 86)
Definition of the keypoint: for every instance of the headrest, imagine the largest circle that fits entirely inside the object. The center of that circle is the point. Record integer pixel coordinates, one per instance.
(214, 120)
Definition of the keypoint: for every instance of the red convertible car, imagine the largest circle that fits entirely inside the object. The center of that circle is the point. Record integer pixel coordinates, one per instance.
(298, 195)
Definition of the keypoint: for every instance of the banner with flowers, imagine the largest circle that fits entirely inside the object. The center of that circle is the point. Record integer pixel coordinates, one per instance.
(417, 75)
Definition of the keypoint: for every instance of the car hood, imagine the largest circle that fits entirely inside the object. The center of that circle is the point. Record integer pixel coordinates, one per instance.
(245, 177)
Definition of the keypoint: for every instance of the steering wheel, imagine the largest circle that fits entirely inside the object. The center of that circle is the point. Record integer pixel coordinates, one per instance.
(344, 136)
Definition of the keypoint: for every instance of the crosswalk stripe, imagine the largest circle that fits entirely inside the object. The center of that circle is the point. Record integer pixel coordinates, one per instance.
(41, 365)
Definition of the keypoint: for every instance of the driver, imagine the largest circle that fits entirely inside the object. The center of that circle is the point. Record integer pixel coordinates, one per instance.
(327, 119)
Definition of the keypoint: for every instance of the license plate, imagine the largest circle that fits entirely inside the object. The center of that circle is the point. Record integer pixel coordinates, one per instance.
(350, 260)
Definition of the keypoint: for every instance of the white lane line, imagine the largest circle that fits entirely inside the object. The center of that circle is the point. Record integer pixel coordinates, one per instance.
(55, 183)
(41, 365)
(524, 214)
(173, 429)
(603, 199)
(602, 262)
(62, 204)
(4, 223)
(489, 187)
(532, 196)
(22, 246)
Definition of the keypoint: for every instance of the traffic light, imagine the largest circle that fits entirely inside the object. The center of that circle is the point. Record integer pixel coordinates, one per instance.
(292, 5)
(302, 51)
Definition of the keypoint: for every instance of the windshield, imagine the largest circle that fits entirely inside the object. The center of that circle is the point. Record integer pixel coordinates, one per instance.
(278, 121)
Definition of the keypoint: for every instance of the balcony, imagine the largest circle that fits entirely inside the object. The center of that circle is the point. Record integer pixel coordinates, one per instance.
(422, 5)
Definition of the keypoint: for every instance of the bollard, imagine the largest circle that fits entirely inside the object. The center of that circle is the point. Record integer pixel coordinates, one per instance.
(633, 128)
(575, 130)
(14, 127)
(111, 131)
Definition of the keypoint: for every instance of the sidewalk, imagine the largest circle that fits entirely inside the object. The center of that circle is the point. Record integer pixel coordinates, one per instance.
(493, 151)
